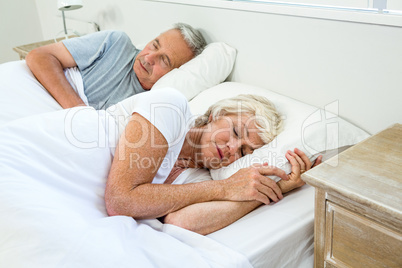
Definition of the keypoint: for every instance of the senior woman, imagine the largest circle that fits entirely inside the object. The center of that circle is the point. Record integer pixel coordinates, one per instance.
(160, 136)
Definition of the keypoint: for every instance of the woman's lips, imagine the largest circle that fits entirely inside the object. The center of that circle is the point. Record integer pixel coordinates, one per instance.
(219, 152)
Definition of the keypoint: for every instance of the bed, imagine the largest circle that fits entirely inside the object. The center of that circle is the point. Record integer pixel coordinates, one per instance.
(53, 213)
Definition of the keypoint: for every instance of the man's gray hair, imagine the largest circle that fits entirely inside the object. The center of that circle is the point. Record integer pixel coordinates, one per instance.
(193, 37)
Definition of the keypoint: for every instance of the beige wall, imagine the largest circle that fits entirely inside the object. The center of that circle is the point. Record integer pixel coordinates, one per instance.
(19, 25)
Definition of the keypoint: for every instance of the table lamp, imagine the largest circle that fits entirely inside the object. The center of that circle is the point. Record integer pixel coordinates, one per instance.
(66, 5)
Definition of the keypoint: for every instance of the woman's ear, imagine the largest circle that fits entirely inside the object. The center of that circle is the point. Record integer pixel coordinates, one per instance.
(210, 118)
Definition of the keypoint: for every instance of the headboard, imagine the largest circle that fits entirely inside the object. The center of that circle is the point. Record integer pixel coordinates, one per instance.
(353, 67)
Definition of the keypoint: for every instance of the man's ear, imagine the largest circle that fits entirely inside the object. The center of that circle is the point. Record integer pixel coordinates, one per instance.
(210, 118)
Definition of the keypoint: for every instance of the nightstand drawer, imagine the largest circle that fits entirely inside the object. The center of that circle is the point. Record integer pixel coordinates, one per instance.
(353, 240)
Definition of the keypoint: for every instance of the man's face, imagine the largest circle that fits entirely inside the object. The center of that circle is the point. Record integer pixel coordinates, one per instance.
(160, 56)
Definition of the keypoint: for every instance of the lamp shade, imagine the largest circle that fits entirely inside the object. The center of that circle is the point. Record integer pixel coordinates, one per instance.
(66, 5)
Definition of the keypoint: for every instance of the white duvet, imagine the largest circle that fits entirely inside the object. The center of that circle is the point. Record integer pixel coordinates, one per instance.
(52, 202)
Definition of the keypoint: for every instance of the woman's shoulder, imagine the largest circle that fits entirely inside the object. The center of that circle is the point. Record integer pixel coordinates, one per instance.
(168, 98)
(169, 94)
(153, 98)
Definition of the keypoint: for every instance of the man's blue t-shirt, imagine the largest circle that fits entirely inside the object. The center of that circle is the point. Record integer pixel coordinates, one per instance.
(105, 60)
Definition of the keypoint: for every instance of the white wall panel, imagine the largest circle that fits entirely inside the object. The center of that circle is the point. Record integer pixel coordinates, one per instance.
(19, 25)
(317, 61)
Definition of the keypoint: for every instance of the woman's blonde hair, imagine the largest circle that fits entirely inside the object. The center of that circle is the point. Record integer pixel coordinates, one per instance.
(267, 119)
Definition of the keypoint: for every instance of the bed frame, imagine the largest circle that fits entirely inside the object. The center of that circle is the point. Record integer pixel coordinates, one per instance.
(351, 67)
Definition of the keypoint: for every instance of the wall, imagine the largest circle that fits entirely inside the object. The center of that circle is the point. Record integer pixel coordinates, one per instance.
(356, 65)
(19, 25)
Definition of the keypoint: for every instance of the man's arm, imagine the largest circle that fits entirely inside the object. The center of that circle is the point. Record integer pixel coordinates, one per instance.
(47, 64)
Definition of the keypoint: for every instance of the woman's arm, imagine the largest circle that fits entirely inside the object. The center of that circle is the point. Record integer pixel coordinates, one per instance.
(205, 218)
(129, 190)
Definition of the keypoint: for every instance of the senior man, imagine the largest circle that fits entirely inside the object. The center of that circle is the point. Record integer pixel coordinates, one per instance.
(112, 68)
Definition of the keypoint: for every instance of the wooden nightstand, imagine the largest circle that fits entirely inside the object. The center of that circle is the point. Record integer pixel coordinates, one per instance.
(25, 49)
(358, 204)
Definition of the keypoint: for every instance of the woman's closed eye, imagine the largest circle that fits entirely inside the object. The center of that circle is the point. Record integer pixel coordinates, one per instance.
(241, 149)
(235, 132)
(242, 152)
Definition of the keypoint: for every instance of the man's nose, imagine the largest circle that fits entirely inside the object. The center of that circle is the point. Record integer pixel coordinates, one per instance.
(150, 58)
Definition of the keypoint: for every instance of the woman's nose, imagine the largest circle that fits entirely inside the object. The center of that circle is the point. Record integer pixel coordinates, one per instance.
(233, 145)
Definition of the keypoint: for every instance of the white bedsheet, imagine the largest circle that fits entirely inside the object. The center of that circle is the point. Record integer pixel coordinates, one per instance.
(53, 211)
(276, 235)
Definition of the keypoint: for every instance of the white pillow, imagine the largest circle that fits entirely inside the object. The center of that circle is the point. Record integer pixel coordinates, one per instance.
(206, 70)
(306, 127)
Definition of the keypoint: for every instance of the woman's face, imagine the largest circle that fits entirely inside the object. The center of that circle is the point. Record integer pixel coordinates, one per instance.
(228, 138)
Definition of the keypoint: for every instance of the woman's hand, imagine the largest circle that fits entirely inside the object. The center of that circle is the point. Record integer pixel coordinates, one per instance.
(300, 164)
(252, 183)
